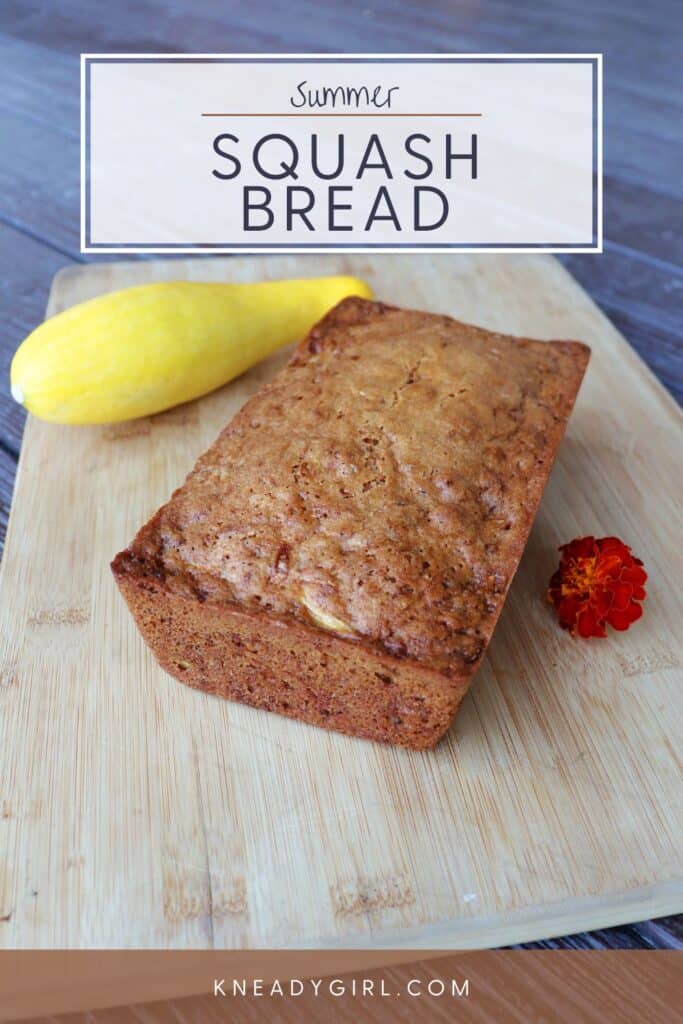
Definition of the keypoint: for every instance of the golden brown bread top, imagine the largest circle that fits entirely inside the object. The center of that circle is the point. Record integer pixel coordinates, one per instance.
(386, 479)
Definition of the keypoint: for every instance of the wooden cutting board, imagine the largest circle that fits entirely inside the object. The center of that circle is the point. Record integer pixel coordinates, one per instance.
(137, 812)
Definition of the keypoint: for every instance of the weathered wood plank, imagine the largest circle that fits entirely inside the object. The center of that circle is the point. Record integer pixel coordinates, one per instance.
(24, 285)
(40, 83)
(8, 469)
(39, 182)
(644, 300)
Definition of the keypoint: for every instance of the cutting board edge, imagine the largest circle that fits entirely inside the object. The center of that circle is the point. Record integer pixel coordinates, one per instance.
(544, 921)
(536, 924)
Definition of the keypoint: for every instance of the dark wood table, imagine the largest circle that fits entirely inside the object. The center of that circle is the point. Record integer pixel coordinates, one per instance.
(638, 281)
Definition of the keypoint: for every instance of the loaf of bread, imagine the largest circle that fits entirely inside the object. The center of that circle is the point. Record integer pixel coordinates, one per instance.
(343, 550)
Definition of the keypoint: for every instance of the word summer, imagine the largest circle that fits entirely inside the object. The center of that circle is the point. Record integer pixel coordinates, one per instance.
(375, 183)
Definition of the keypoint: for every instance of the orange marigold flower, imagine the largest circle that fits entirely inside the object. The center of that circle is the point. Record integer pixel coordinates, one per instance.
(598, 583)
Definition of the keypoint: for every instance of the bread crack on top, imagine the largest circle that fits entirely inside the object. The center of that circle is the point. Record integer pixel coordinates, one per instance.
(343, 550)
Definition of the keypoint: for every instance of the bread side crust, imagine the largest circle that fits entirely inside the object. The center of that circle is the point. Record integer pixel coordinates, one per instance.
(287, 667)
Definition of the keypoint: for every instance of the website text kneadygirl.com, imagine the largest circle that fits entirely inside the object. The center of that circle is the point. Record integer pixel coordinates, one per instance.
(364, 988)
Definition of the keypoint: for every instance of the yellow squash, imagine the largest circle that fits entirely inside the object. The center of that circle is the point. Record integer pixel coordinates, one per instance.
(138, 351)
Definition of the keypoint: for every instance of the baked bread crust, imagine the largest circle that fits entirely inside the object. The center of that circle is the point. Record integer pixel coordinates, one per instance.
(343, 550)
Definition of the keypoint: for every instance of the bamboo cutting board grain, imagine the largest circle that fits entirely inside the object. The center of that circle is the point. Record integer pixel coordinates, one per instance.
(137, 812)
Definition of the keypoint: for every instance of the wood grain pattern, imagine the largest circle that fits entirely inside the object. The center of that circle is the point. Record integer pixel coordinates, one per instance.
(136, 812)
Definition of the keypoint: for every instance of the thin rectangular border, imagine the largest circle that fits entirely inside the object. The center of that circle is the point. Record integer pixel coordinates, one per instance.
(89, 247)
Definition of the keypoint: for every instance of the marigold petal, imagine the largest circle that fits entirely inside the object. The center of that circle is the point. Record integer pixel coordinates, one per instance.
(590, 624)
(613, 545)
(609, 566)
(582, 547)
(569, 608)
(622, 593)
(601, 600)
(555, 582)
(634, 574)
(621, 620)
